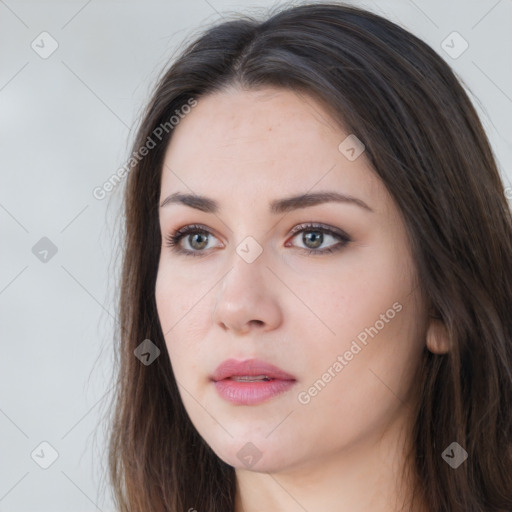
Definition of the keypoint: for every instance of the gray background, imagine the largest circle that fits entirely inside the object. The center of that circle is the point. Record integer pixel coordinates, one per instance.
(66, 123)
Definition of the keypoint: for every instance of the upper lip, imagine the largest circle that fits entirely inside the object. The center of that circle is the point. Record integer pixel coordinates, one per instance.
(249, 367)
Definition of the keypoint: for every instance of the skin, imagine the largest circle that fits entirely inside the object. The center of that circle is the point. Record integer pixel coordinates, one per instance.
(344, 449)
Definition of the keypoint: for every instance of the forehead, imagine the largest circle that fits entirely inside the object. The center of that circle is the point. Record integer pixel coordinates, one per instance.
(261, 142)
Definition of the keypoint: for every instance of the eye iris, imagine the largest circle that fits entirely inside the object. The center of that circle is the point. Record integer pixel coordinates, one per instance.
(202, 244)
(316, 237)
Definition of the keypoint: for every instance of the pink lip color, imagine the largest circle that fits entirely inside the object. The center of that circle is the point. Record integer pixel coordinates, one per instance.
(250, 393)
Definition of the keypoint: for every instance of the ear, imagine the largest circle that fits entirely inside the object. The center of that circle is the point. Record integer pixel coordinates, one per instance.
(437, 337)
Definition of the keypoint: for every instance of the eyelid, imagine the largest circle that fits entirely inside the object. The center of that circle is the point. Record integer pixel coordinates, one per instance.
(194, 228)
(174, 239)
(343, 238)
(318, 225)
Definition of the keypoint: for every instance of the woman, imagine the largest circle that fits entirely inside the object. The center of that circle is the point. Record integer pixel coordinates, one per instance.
(315, 299)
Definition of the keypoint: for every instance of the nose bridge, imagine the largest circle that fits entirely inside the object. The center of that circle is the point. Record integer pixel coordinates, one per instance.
(248, 258)
(246, 275)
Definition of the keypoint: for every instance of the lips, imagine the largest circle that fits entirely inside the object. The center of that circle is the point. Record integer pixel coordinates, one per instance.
(258, 370)
(250, 382)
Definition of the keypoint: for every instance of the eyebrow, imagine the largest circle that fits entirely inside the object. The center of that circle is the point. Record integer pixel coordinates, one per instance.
(278, 206)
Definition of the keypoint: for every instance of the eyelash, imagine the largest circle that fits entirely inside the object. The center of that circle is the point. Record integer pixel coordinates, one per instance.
(173, 239)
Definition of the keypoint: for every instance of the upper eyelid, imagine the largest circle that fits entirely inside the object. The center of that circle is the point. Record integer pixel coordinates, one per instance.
(192, 228)
(304, 226)
(295, 229)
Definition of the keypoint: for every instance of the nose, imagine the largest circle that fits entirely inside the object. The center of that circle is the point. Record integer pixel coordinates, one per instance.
(247, 299)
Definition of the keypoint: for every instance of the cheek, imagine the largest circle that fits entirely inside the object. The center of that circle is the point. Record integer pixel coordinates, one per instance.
(381, 346)
(368, 385)
(179, 299)
(360, 291)
(184, 309)
(373, 310)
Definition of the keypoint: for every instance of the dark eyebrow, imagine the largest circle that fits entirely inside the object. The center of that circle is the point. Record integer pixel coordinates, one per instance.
(278, 206)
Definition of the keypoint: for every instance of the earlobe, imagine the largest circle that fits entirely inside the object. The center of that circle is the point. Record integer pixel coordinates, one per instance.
(437, 337)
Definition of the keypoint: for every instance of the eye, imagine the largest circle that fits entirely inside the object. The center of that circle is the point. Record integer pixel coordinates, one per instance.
(196, 236)
(314, 235)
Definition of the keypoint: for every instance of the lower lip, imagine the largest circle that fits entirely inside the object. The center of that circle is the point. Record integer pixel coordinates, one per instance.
(251, 393)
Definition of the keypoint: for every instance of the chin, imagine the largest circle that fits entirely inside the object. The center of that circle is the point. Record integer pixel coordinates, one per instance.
(254, 453)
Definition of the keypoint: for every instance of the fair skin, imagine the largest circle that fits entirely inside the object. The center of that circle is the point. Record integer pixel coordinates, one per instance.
(343, 449)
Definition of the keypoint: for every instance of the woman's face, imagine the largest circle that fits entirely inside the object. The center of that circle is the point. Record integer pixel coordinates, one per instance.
(335, 306)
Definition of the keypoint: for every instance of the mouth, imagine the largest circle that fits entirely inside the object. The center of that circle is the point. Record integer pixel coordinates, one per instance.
(250, 382)
(250, 378)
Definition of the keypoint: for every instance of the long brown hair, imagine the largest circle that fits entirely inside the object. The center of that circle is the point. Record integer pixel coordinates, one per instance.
(426, 142)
